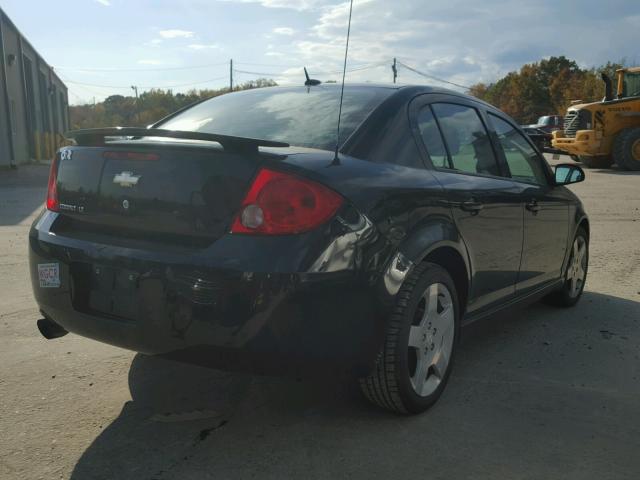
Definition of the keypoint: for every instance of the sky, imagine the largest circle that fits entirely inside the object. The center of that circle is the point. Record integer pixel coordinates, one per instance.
(103, 47)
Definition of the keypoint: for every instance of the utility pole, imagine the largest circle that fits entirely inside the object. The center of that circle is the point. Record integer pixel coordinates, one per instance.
(135, 89)
(394, 68)
(231, 75)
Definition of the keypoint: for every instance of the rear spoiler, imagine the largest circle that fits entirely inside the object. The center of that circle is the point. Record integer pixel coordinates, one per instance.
(96, 137)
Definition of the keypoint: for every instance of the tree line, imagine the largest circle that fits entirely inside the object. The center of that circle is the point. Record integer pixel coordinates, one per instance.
(546, 87)
(148, 108)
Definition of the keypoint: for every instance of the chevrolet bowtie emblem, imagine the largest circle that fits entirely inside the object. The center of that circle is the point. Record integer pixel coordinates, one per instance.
(126, 179)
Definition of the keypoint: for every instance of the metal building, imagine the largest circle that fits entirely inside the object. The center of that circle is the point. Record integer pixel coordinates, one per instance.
(33, 100)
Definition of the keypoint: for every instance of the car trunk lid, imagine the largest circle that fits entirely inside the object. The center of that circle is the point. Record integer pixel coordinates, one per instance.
(155, 189)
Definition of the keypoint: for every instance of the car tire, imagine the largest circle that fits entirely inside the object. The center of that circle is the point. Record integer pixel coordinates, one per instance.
(626, 149)
(600, 161)
(575, 158)
(415, 362)
(575, 274)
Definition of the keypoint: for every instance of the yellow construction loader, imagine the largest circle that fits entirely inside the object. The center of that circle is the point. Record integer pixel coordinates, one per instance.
(602, 133)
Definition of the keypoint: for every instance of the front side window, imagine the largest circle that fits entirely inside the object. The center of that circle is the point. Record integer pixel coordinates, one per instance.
(432, 138)
(467, 139)
(522, 159)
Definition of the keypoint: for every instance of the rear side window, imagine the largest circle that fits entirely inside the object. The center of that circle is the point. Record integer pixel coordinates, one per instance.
(522, 159)
(467, 139)
(432, 138)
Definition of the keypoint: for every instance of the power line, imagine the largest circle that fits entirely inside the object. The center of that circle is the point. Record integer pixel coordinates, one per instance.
(432, 77)
(80, 87)
(264, 64)
(124, 69)
(296, 66)
(145, 86)
(85, 85)
(356, 69)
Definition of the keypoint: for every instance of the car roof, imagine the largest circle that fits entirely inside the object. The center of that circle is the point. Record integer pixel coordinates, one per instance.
(405, 90)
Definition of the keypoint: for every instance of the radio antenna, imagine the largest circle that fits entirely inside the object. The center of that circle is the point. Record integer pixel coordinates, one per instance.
(336, 160)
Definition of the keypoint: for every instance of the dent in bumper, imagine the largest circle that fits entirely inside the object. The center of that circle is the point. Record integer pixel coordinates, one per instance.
(188, 309)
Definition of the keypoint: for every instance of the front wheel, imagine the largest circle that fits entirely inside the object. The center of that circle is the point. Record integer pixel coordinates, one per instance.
(415, 362)
(575, 274)
(626, 148)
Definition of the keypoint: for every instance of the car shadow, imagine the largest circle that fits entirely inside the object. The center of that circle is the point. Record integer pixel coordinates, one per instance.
(190, 422)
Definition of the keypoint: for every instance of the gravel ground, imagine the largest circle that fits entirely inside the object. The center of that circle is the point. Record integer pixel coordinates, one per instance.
(546, 393)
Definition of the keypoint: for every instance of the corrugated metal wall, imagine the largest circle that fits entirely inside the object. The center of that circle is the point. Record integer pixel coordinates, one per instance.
(33, 101)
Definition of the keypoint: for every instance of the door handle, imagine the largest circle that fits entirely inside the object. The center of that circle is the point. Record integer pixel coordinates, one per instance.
(533, 207)
(471, 206)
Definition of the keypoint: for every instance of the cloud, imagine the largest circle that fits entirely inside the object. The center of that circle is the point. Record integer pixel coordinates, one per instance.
(199, 46)
(284, 31)
(106, 3)
(175, 33)
(149, 62)
(464, 41)
(458, 40)
(299, 5)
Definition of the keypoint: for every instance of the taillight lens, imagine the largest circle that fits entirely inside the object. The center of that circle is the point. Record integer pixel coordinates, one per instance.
(52, 189)
(280, 203)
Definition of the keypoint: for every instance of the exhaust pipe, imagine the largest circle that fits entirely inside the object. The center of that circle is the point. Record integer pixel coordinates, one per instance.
(608, 89)
(49, 329)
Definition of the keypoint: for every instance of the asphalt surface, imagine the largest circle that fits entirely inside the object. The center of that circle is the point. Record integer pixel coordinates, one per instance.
(544, 394)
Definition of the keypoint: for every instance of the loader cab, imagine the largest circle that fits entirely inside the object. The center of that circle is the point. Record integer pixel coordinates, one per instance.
(628, 82)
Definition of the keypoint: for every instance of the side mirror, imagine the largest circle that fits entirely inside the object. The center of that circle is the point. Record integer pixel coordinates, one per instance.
(567, 173)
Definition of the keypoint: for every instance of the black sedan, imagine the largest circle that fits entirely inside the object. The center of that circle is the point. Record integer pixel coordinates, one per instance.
(240, 233)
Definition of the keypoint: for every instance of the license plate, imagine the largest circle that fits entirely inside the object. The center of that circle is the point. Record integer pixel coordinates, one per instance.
(49, 275)
(113, 291)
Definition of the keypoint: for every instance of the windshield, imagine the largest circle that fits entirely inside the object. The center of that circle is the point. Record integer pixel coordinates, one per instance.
(546, 120)
(631, 84)
(300, 116)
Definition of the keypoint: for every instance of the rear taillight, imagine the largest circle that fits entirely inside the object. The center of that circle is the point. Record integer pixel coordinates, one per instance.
(280, 203)
(52, 188)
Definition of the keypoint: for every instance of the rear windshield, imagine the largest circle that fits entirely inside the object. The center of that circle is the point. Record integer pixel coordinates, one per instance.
(301, 116)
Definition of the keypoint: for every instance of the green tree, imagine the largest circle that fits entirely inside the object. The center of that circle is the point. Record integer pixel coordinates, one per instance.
(545, 87)
(151, 106)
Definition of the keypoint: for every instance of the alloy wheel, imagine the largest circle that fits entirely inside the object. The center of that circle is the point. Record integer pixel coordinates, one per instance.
(431, 339)
(577, 269)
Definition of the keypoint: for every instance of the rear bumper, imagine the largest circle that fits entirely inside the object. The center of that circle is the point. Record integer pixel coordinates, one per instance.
(194, 307)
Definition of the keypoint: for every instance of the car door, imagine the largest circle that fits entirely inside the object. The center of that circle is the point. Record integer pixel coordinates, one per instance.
(546, 209)
(483, 203)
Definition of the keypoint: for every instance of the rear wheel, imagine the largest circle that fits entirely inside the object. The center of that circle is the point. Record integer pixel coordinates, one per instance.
(416, 358)
(600, 161)
(575, 274)
(626, 149)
